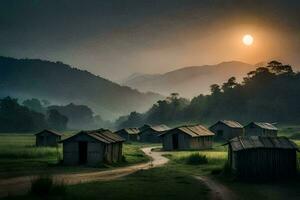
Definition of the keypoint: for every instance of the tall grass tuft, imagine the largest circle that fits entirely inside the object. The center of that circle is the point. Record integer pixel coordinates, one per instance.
(44, 186)
(29, 152)
(196, 159)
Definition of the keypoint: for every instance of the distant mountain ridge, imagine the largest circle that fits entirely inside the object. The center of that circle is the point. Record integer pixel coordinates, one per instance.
(60, 84)
(189, 81)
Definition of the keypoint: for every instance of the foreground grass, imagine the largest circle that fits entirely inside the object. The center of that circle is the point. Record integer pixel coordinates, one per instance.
(154, 184)
(19, 157)
(247, 191)
(174, 181)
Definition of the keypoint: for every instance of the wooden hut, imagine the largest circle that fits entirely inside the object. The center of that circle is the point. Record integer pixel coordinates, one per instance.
(47, 138)
(260, 129)
(257, 157)
(194, 137)
(227, 129)
(151, 133)
(129, 134)
(92, 148)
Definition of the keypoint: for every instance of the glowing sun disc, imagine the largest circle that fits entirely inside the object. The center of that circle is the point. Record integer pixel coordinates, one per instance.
(248, 40)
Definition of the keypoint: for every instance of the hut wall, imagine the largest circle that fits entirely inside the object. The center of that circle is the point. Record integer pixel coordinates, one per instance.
(108, 153)
(150, 136)
(257, 131)
(186, 142)
(47, 139)
(228, 132)
(116, 152)
(204, 142)
(95, 153)
(134, 137)
(167, 142)
(183, 141)
(266, 163)
(70, 153)
(124, 135)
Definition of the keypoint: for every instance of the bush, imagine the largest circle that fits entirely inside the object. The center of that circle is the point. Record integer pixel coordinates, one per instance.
(41, 186)
(196, 159)
(227, 169)
(295, 136)
(123, 159)
(45, 186)
(216, 171)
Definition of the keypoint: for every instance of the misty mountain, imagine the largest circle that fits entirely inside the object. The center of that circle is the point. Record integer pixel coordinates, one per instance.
(61, 84)
(189, 81)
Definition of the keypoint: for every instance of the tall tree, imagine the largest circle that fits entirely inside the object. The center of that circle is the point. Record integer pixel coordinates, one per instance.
(17, 118)
(56, 120)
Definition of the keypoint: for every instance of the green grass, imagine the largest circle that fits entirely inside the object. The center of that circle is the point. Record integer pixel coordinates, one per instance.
(216, 158)
(216, 161)
(19, 156)
(154, 184)
(289, 130)
(173, 181)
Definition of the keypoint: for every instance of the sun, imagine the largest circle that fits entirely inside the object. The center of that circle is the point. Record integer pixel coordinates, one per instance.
(248, 39)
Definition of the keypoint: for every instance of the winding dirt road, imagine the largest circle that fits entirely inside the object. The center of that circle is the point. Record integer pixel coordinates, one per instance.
(21, 185)
(218, 190)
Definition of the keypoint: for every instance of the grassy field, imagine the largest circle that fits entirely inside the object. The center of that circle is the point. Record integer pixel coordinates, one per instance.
(172, 181)
(19, 156)
(155, 184)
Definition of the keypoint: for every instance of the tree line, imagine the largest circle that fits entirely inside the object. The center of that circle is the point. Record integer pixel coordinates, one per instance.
(270, 93)
(19, 118)
(34, 115)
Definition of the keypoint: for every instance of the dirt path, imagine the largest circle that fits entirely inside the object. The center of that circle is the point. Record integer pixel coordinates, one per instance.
(218, 190)
(20, 185)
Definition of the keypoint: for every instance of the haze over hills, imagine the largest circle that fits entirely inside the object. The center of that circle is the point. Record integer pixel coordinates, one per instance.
(60, 83)
(189, 81)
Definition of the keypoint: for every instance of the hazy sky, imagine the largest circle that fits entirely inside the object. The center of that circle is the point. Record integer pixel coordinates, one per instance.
(115, 38)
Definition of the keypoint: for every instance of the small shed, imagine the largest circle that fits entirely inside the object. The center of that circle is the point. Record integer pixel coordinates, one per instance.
(151, 133)
(92, 148)
(260, 129)
(47, 138)
(227, 129)
(257, 157)
(195, 137)
(129, 134)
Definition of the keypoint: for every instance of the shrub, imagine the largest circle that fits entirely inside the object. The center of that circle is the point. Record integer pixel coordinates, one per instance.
(196, 159)
(41, 186)
(45, 186)
(226, 169)
(216, 171)
(295, 136)
(123, 159)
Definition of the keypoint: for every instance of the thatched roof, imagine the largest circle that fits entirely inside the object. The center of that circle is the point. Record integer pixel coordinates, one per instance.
(101, 135)
(49, 131)
(253, 142)
(193, 130)
(157, 128)
(130, 131)
(263, 125)
(160, 128)
(230, 123)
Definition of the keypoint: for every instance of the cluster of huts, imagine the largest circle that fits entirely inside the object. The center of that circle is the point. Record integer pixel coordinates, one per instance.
(254, 150)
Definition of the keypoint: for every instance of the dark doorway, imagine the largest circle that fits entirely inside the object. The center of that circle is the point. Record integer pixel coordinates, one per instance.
(82, 152)
(175, 141)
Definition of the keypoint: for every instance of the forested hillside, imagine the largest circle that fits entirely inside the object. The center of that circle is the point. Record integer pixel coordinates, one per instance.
(62, 84)
(270, 93)
(189, 81)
